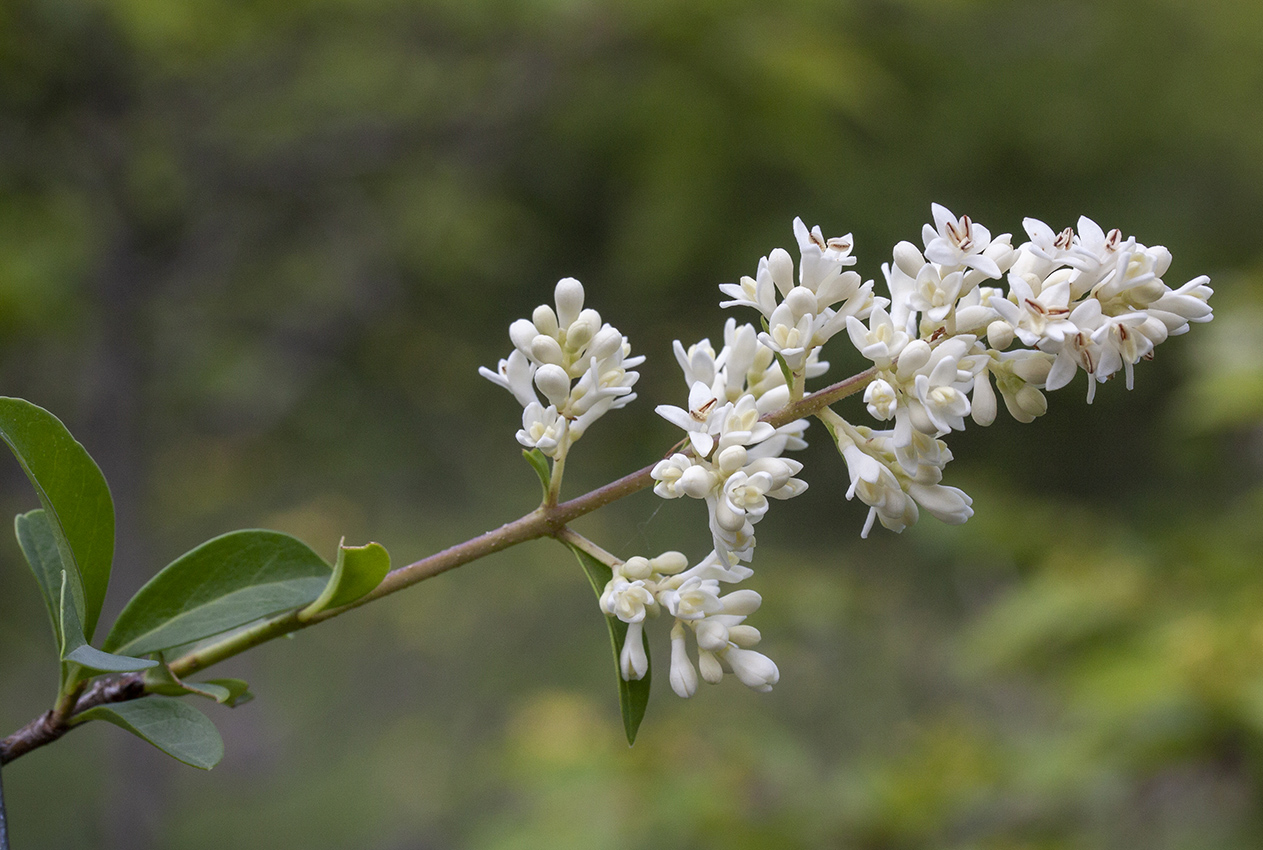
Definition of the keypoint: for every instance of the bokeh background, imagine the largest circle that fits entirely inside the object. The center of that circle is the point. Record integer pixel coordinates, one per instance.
(252, 253)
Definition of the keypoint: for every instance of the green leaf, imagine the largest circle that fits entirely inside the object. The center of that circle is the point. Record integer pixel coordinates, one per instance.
(633, 696)
(72, 490)
(64, 598)
(175, 727)
(75, 650)
(539, 462)
(39, 545)
(226, 582)
(237, 691)
(359, 570)
(230, 692)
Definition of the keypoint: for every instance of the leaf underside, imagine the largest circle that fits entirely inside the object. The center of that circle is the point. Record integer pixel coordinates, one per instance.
(173, 726)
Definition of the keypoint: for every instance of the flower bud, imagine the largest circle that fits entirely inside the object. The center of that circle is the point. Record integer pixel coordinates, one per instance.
(582, 329)
(569, 297)
(999, 335)
(744, 636)
(914, 355)
(696, 482)
(908, 259)
(545, 320)
(683, 676)
(545, 349)
(1031, 401)
(781, 267)
(522, 333)
(710, 667)
(732, 458)
(741, 602)
(670, 563)
(636, 567)
(983, 406)
(632, 661)
(973, 318)
(606, 341)
(754, 669)
(801, 301)
(712, 636)
(553, 382)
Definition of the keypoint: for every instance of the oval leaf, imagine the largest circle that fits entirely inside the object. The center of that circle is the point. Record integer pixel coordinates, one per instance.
(72, 490)
(64, 599)
(358, 571)
(226, 582)
(633, 696)
(176, 728)
(39, 545)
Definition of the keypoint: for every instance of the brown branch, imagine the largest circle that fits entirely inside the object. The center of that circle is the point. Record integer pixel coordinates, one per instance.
(48, 727)
(545, 521)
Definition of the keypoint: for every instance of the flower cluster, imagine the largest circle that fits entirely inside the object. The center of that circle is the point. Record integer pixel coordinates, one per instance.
(804, 317)
(949, 336)
(734, 461)
(644, 587)
(1089, 300)
(580, 365)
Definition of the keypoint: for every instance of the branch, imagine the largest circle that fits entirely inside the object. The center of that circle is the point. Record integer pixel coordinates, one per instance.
(545, 521)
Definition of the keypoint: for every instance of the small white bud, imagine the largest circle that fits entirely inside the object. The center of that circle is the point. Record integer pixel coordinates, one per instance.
(582, 329)
(545, 349)
(732, 458)
(569, 297)
(522, 333)
(744, 636)
(683, 676)
(999, 335)
(741, 602)
(754, 669)
(545, 320)
(908, 259)
(711, 669)
(553, 382)
(606, 341)
(711, 635)
(636, 567)
(696, 482)
(670, 563)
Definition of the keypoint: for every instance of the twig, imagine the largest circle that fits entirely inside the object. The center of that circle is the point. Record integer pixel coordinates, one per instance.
(549, 520)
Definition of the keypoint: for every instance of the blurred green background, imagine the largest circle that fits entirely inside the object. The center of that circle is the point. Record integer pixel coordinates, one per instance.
(252, 253)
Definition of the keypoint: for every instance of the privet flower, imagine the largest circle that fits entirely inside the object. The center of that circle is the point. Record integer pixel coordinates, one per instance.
(579, 365)
(971, 322)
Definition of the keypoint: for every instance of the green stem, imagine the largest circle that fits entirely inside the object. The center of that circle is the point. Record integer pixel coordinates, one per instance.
(577, 540)
(558, 471)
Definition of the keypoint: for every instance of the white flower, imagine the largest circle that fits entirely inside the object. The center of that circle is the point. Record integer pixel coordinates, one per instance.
(695, 599)
(956, 242)
(629, 601)
(881, 342)
(542, 428)
(516, 374)
(698, 421)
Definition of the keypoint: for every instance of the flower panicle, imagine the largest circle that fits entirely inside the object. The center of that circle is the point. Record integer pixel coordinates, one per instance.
(969, 320)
